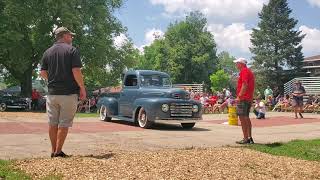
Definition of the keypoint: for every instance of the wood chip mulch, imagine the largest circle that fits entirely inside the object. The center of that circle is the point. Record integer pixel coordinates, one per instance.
(210, 163)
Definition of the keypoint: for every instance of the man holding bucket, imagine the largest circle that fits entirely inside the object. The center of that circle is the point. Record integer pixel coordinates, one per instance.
(245, 89)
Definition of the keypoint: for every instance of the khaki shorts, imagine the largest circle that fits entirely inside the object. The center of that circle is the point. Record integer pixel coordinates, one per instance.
(61, 109)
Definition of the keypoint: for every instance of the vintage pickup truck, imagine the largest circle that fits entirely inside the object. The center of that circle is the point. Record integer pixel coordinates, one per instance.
(147, 97)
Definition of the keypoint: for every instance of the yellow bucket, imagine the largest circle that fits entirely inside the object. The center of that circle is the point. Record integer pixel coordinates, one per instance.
(232, 115)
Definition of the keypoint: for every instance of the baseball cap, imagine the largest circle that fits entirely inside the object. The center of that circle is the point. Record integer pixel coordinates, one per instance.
(63, 30)
(240, 60)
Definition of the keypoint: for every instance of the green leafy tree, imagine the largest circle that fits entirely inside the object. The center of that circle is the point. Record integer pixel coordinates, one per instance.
(187, 51)
(225, 62)
(153, 55)
(26, 31)
(276, 45)
(219, 80)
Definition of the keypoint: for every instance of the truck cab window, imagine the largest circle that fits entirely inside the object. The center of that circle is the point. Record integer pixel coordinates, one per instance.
(131, 80)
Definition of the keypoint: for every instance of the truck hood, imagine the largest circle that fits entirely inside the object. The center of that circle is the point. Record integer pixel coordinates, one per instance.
(167, 93)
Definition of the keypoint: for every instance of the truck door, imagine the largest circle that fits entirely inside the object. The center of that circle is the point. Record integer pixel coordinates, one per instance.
(128, 95)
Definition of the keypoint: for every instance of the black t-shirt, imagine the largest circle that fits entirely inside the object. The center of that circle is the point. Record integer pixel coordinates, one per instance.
(58, 61)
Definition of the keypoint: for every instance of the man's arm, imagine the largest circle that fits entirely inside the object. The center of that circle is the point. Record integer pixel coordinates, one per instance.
(77, 74)
(243, 89)
(44, 74)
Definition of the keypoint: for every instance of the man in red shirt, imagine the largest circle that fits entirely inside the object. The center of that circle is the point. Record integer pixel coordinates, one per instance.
(245, 89)
(35, 96)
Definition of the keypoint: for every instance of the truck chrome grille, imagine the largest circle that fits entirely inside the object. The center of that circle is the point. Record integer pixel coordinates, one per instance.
(181, 110)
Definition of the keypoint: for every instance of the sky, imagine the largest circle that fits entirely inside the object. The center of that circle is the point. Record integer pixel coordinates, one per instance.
(230, 21)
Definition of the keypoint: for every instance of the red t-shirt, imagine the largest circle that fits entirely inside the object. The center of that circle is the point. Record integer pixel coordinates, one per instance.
(35, 95)
(246, 75)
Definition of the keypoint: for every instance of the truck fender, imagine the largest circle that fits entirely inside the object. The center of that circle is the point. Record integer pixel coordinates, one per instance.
(110, 103)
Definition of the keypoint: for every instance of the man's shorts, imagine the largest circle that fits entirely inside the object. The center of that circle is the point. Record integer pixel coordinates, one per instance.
(61, 109)
(243, 108)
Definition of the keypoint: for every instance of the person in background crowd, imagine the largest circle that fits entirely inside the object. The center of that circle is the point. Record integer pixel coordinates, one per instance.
(35, 96)
(298, 93)
(227, 93)
(268, 92)
(260, 109)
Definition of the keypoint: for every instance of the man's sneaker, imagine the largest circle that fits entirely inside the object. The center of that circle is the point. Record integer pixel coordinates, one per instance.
(243, 141)
(251, 140)
(61, 154)
(52, 155)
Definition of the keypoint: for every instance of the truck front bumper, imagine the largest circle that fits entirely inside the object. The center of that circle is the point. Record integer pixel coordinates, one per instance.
(177, 120)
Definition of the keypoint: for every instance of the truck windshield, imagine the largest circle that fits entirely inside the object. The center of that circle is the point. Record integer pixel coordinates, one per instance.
(155, 80)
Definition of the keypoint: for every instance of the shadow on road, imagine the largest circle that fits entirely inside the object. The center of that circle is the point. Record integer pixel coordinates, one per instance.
(102, 156)
(161, 127)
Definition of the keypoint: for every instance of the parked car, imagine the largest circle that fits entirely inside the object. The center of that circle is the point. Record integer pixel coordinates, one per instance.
(147, 97)
(8, 101)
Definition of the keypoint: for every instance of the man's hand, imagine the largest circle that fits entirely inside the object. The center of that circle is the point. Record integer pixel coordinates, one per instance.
(237, 99)
(83, 93)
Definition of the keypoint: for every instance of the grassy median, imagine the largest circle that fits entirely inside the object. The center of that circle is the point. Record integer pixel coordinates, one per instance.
(301, 149)
(86, 115)
(8, 172)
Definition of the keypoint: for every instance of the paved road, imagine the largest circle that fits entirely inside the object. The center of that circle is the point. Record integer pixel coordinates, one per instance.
(24, 135)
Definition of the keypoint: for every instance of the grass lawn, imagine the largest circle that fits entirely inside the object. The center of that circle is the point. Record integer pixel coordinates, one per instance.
(85, 115)
(9, 173)
(301, 149)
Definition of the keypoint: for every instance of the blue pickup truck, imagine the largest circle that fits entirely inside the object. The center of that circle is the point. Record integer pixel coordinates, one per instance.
(147, 97)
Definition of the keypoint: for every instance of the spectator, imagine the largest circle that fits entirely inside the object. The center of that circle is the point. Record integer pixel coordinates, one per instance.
(268, 92)
(35, 96)
(259, 109)
(227, 93)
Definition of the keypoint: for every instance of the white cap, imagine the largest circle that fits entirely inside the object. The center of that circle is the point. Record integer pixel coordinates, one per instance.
(240, 60)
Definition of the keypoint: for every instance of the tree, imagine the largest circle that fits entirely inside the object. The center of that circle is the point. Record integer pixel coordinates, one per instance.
(219, 80)
(26, 30)
(187, 51)
(225, 62)
(276, 45)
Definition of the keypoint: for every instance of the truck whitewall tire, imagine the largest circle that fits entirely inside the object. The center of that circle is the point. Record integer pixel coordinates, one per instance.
(3, 107)
(143, 120)
(104, 113)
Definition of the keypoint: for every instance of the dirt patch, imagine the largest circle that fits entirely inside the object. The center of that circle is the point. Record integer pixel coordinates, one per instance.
(212, 163)
(22, 116)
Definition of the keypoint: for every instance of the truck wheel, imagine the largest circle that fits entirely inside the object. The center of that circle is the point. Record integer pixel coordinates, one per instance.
(143, 119)
(187, 125)
(3, 107)
(104, 114)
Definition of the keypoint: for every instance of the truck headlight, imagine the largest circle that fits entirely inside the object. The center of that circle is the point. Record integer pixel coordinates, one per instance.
(195, 108)
(165, 107)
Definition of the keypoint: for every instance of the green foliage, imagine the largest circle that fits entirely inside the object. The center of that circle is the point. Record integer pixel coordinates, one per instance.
(86, 115)
(8, 172)
(277, 45)
(187, 51)
(225, 62)
(219, 80)
(301, 149)
(26, 31)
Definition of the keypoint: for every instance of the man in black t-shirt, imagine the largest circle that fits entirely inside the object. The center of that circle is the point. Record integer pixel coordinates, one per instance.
(61, 67)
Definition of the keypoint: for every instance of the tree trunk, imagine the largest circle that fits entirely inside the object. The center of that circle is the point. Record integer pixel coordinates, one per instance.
(26, 83)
